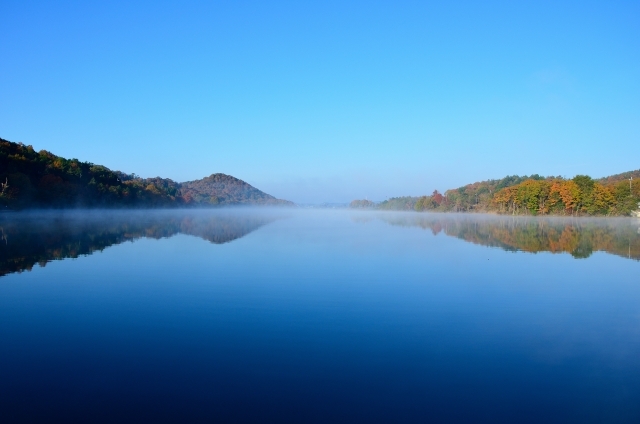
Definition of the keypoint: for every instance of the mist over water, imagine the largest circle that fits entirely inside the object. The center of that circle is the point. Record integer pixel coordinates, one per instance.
(33, 238)
(282, 315)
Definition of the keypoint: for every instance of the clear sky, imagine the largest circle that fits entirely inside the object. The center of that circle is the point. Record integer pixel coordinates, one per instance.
(327, 101)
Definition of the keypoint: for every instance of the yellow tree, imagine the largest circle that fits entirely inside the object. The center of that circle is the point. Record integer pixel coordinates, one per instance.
(570, 195)
(603, 198)
(504, 198)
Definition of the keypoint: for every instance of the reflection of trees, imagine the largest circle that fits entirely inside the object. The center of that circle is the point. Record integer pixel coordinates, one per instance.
(39, 238)
(579, 237)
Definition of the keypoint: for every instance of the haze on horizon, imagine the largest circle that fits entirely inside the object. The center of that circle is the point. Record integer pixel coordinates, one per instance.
(327, 101)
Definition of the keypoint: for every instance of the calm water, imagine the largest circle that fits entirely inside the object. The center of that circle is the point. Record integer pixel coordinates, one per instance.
(304, 316)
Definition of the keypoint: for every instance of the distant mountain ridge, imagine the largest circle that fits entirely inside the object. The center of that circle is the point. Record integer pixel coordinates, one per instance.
(30, 179)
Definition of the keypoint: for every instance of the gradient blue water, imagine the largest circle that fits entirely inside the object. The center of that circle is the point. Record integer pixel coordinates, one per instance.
(320, 317)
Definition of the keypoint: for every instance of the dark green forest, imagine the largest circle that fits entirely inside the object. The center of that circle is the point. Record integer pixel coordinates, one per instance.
(40, 179)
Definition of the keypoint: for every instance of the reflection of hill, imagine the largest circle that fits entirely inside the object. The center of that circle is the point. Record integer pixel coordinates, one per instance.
(39, 238)
(579, 237)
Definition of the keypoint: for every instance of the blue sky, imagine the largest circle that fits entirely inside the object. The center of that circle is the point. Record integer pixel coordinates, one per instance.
(327, 101)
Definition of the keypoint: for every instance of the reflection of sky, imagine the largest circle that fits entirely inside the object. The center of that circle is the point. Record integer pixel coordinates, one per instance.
(387, 320)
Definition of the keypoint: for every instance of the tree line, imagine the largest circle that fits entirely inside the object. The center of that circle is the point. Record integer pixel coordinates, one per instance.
(617, 195)
(535, 195)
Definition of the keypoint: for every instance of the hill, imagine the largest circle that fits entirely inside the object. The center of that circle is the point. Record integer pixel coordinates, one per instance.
(225, 189)
(620, 177)
(30, 179)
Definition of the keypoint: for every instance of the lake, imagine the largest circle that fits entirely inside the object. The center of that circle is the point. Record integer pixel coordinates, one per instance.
(309, 316)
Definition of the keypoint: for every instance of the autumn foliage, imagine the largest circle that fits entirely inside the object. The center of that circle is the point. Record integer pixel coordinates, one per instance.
(535, 195)
(578, 196)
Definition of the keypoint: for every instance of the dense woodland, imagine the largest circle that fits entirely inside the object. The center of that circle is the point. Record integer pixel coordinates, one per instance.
(31, 179)
(617, 195)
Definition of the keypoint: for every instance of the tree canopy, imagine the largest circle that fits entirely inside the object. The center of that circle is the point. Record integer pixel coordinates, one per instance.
(533, 195)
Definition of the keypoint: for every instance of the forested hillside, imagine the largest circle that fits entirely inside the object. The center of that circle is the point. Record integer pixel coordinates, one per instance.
(30, 179)
(617, 195)
(625, 176)
(224, 189)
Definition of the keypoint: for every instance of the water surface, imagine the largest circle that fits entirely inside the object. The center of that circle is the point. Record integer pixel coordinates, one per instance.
(304, 316)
